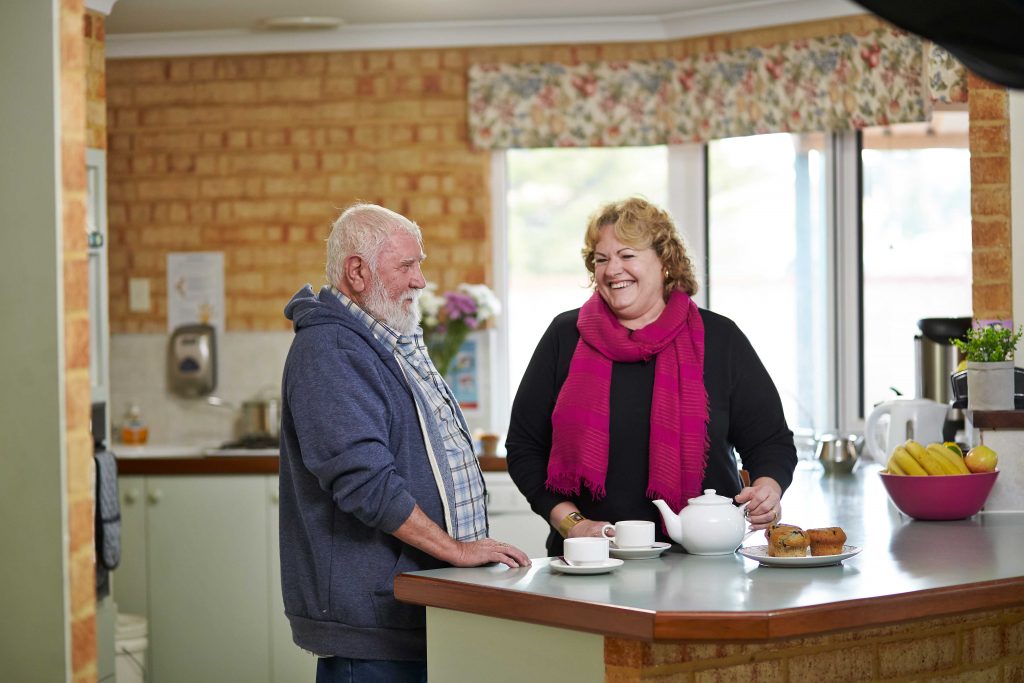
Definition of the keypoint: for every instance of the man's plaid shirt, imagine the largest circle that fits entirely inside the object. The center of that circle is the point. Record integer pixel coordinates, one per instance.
(438, 407)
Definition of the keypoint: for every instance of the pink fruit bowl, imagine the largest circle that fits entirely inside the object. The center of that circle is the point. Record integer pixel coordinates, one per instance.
(953, 496)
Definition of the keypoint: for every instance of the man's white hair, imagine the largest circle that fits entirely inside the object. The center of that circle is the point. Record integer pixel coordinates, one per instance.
(361, 230)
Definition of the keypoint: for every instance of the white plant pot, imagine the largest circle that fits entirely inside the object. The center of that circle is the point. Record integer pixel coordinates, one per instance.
(990, 385)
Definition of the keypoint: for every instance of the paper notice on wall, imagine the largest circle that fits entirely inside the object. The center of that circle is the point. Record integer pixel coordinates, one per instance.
(195, 289)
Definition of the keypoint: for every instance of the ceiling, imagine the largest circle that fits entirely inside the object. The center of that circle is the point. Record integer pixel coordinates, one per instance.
(139, 28)
(150, 16)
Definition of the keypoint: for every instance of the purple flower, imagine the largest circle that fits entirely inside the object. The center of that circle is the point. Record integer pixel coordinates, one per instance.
(460, 306)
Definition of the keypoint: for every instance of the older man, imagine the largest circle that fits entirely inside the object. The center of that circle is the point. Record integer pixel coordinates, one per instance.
(378, 474)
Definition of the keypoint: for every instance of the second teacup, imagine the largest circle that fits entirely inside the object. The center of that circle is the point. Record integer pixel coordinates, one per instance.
(586, 550)
(631, 533)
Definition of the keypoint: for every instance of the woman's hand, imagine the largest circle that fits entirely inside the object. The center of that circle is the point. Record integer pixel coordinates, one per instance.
(763, 498)
(587, 527)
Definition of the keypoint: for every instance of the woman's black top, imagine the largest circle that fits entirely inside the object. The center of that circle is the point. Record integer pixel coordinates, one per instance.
(746, 415)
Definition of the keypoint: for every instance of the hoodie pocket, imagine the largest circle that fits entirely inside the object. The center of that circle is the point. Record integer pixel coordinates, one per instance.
(392, 613)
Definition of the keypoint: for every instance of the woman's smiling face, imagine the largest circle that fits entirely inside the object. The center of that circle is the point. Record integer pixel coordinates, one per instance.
(630, 279)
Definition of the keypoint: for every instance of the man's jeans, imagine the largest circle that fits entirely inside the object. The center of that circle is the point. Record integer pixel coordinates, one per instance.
(345, 670)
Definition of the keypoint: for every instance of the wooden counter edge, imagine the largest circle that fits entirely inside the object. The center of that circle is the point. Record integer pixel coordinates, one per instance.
(608, 620)
(236, 464)
(611, 620)
(212, 464)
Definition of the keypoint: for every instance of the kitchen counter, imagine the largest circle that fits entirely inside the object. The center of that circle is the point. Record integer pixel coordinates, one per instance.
(646, 614)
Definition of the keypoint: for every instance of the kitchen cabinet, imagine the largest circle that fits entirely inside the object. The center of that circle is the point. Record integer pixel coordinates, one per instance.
(200, 561)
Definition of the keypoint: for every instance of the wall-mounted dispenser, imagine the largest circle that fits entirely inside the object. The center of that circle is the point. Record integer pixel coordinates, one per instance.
(192, 360)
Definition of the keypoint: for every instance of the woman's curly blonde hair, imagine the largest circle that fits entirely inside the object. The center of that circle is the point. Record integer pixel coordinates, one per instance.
(640, 224)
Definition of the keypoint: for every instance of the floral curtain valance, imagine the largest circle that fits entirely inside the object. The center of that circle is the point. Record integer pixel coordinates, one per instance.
(833, 83)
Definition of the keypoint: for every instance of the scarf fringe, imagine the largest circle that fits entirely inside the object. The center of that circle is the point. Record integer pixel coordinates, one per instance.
(568, 485)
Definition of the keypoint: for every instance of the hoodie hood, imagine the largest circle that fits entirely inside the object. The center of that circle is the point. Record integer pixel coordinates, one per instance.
(308, 308)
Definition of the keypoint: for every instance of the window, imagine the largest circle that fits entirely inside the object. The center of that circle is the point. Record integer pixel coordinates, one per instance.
(767, 231)
(916, 243)
(824, 249)
(551, 195)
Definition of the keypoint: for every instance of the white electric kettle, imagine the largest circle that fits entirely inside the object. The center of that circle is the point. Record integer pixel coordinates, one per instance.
(893, 422)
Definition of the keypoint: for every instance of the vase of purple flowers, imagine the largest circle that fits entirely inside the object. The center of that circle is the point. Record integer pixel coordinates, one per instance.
(447, 319)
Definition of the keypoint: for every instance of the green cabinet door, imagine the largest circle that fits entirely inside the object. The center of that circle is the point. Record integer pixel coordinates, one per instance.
(128, 581)
(208, 579)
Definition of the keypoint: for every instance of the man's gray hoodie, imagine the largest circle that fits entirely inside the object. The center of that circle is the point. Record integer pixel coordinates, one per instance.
(353, 465)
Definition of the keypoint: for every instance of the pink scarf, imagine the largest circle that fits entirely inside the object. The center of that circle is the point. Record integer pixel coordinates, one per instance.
(679, 405)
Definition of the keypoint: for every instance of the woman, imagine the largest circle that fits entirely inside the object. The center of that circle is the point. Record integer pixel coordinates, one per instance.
(640, 395)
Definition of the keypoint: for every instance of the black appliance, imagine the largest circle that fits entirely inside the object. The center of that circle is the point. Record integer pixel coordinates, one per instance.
(937, 359)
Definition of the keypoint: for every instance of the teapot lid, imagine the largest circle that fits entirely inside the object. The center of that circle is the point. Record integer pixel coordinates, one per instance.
(710, 498)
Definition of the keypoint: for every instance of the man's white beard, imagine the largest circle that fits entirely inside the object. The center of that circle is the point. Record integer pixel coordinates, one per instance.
(393, 313)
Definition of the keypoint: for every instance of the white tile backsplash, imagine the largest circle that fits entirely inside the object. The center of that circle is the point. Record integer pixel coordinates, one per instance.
(249, 365)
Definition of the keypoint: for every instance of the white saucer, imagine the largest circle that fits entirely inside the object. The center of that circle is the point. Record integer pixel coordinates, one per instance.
(639, 553)
(559, 566)
(760, 553)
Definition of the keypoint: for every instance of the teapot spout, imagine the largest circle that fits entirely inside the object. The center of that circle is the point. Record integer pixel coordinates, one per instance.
(671, 520)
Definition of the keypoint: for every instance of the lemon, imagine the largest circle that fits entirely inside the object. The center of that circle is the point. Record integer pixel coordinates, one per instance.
(951, 445)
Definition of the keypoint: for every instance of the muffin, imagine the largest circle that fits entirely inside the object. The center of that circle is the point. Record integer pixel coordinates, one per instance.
(786, 540)
(827, 541)
(768, 531)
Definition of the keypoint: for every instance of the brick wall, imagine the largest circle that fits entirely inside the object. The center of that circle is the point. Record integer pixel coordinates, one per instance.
(254, 155)
(990, 199)
(80, 475)
(95, 81)
(984, 646)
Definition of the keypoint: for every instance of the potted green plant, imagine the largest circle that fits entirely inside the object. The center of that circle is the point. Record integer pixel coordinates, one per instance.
(989, 351)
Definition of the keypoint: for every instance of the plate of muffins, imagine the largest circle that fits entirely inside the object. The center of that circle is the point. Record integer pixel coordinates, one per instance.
(791, 546)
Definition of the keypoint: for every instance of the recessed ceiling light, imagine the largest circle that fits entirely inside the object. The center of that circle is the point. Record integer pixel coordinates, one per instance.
(299, 23)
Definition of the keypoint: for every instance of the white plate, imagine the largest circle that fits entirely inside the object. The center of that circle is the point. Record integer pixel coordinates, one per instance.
(638, 553)
(559, 566)
(760, 553)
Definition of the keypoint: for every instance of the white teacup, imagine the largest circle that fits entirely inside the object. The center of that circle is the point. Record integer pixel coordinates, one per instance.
(585, 550)
(631, 533)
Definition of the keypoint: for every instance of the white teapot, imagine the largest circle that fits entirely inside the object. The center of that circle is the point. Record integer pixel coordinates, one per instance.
(708, 525)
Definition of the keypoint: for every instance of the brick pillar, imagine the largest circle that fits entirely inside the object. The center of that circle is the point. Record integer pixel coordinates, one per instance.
(77, 397)
(990, 199)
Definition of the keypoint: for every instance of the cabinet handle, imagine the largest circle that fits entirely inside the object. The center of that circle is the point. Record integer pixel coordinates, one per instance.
(155, 495)
(131, 496)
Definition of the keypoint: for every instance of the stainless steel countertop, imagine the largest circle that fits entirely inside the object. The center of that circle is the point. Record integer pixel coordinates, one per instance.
(900, 557)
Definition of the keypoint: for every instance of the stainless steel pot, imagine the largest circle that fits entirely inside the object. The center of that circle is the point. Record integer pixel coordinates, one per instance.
(838, 454)
(261, 417)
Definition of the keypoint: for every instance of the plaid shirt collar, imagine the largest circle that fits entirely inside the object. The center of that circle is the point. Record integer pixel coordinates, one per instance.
(411, 348)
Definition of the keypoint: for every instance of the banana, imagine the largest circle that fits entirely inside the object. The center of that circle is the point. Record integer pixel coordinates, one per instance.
(906, 462)
(894, 467)
(954, 460)
(925, 459)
